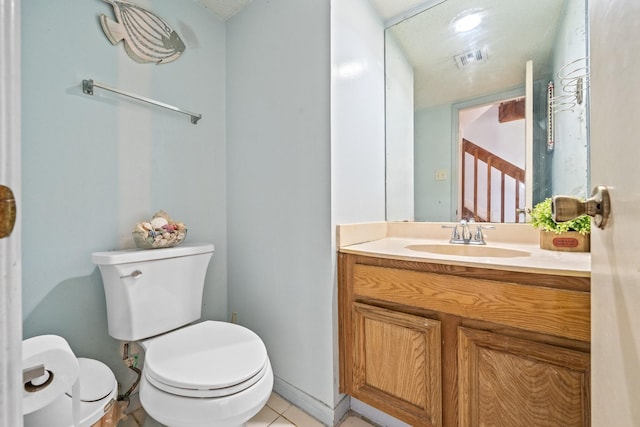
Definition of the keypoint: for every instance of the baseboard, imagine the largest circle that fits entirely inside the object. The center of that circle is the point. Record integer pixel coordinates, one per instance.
(374, 415)
(312, 406)
(341, 409)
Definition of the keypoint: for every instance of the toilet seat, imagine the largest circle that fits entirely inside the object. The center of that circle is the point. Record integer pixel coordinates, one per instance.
(207, 359)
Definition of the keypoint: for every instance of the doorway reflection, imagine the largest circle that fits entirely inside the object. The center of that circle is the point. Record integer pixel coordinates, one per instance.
(492, 161)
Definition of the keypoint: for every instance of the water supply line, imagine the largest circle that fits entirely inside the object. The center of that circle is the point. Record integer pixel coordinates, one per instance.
(131, 361)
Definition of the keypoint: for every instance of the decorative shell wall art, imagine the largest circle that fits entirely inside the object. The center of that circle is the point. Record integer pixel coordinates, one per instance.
(160, 232)
(146, 36)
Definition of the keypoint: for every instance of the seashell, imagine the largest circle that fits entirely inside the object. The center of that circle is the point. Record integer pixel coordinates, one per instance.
(140, 228)
(146, 36)
(180, 226)
(158, 222)
(147, 226)
(169, 227)
(162, 214)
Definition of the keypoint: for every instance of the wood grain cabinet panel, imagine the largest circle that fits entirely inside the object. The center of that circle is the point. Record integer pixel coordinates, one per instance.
(396, 360)
(511, 382)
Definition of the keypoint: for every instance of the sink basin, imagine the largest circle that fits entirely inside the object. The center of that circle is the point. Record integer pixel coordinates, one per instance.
(469, 250)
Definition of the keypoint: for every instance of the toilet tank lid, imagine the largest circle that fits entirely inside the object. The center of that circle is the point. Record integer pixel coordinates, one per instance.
(137, 255)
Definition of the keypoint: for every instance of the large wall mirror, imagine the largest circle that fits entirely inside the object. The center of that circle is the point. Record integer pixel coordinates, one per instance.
(486, 108)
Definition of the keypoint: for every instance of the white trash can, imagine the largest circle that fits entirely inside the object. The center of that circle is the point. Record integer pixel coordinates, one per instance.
(98, 401)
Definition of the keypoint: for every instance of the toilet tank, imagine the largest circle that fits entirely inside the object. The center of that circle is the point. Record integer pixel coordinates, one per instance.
(150, 292)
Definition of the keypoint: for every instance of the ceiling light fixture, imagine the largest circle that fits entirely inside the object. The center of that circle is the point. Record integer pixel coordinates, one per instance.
(467, 20)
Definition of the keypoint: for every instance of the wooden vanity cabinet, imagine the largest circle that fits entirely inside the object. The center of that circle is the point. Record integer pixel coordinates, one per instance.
(444, 345)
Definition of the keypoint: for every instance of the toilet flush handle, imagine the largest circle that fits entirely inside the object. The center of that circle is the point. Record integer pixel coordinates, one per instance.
(136, 275)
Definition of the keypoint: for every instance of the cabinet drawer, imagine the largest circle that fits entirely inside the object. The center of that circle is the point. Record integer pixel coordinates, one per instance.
(558, 312)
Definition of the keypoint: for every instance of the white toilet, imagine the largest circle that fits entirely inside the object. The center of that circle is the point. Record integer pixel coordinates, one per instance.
(204, 374)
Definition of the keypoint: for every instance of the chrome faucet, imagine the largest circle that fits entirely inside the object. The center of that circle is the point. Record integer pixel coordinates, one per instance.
(466, 236)
(466, 233)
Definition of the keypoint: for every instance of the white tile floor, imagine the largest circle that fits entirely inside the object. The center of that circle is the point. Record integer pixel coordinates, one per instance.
(277, 413)
(280, 413)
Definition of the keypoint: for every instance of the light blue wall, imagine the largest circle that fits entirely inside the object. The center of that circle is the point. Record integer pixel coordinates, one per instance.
(433, 152)
(279, 194)
(94, 166)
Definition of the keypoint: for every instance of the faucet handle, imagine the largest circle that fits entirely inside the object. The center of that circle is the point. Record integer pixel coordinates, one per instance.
(455, 234)
(486, 227)
(479, 237)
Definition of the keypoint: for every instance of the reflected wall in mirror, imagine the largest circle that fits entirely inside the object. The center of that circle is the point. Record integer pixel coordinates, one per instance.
(435, 74)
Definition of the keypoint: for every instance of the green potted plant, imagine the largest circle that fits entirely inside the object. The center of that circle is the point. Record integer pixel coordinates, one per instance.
(568, 236)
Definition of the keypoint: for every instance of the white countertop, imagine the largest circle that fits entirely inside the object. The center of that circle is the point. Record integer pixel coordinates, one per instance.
(536, 260)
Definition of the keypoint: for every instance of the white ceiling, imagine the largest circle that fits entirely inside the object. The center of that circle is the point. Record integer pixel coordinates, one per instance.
(392, 9)
(387, 9)
(224, 9)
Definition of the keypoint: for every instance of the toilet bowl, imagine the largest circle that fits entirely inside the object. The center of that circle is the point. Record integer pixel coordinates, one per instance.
(201, 374)
(98, 393)
(205, 372)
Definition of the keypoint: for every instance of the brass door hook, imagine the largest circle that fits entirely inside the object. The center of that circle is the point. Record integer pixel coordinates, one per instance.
(565, 208)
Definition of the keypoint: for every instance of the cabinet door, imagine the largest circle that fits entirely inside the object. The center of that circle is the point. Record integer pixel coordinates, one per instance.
(511, 382)
(396, 364)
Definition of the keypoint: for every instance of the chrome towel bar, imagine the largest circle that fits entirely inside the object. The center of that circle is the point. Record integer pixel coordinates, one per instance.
(88, 85)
